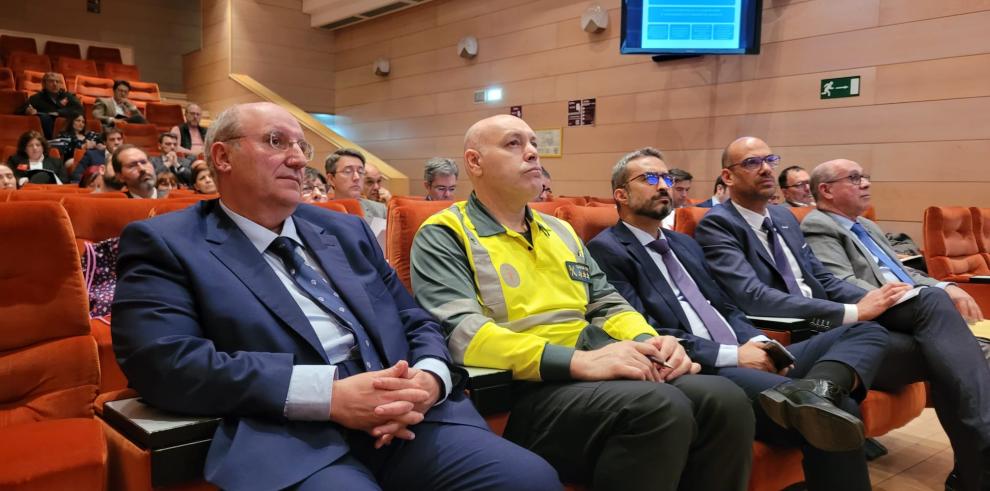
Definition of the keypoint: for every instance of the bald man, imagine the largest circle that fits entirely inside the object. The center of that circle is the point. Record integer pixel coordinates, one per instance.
(603, 398)
(768, 269)
(373, 181)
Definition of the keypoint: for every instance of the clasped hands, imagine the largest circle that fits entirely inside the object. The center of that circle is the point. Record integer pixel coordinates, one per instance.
(384, 403)
(634, 360)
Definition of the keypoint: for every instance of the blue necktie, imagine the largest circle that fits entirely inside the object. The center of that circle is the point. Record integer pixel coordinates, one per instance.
(718, 329)
(780, 259)
(891, 264)
(320, 291)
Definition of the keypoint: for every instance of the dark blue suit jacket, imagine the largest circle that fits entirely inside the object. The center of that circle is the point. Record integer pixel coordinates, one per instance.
(632, 272)
(705, 204)
(746, 270)
(202, 325)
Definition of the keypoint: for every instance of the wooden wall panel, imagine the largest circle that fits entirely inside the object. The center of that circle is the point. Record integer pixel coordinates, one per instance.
(921, 125)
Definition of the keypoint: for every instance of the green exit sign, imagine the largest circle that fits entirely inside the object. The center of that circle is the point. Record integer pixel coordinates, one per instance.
(833, 88)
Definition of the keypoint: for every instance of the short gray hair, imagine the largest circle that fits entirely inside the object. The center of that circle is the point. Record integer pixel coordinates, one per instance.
(821, 173)
(226, 126)
(619, 170)
(439, 166)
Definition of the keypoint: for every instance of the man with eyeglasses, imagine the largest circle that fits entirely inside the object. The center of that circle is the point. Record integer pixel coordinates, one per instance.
(275, 317)
(346, 170)
(440, 179)
(663, 275)
(599, 394)
(795, 185)
(766, 266)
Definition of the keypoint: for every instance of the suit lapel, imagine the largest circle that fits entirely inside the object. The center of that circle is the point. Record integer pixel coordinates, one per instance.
(867, 255)
(652, 272)
(753, 239)
(232, 248)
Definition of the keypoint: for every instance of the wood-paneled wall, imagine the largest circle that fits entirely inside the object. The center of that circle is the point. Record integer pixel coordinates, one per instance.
(159, 31)
(921, 126)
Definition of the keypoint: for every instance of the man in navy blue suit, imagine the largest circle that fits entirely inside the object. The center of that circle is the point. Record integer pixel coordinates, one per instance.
(762, 260)
(286, 321)
(663, 275)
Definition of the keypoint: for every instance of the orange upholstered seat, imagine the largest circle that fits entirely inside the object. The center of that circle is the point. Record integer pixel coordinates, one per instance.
(56, 50)
(574, 200)
(332, 205)
(50, 374)
(588, 221)
(119, 71)
(12, 101)
(18, 62)
(145, 91)
(687, 219)
(404, 218)
(164, 116)
(33, 81)
(72, 68)
(981, 230)
(548, 207)
(16, 44)
(951, 250)
(353, 206)
(101, 53)
(801, 212)
(7, 79)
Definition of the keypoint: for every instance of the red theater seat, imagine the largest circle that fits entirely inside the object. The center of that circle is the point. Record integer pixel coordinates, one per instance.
(12, 101)
(56, 50)
(7, 79)
(18, 62)
(71, 68)
(100, 53)
(119, 71)
(16, 44)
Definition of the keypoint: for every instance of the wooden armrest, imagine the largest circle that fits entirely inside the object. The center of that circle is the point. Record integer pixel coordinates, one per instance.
(490, 389)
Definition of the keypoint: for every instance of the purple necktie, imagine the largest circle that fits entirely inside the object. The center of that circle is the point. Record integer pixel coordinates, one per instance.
(780, 259)
(720, 331)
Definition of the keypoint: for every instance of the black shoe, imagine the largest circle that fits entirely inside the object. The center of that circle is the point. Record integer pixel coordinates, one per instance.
(810, 407)
(952, 481)
(874, 449)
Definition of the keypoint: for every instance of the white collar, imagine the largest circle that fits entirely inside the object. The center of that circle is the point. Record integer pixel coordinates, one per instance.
(260, 236)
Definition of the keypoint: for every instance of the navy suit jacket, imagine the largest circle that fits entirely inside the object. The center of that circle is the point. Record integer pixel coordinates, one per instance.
(747, 272)
(202, 325)
(632, 272)
(705, 204)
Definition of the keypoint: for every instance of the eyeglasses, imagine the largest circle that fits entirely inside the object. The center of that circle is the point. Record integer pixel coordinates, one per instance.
(447, 189)
(653, 178)
(350, 171)
(753, 163)
(280, 143)
(855, 179)
(799, 184)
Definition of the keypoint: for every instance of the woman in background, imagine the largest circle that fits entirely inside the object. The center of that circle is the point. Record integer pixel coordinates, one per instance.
(32, 155)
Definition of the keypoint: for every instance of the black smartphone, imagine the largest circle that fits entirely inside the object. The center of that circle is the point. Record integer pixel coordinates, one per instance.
(779, 354)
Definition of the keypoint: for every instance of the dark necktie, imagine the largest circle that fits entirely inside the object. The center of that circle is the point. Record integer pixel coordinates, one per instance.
(323, 294)
(720, 332)
(780, 259)
(891, 264)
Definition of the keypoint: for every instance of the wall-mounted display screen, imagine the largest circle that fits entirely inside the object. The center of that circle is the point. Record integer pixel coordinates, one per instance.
(691, 26)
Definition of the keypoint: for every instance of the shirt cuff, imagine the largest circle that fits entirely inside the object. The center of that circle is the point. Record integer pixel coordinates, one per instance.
(438, 368)
(852, 313)
(943, 284)
(728, 356)
(310, 391)
(555, 364)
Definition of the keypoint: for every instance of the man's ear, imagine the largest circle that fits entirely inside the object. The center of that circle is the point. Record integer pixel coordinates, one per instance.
(220, 154)
(472, 162)
(620, 195)
(727, 177)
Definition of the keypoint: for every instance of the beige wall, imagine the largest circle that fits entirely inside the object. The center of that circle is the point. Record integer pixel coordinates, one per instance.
(921, 125)
(160, 31)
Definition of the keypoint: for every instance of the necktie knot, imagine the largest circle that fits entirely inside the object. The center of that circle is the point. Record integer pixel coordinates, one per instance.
(285, 249)
(858, 228)
(660, 245)
(767, 225)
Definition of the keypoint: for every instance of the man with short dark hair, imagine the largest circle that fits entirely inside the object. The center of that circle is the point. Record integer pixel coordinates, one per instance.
(764, 263)
(190, 134)
(51, 102)
(101, 155)
(795, 185)
(663, 275)
(346, 170)
(274, 317)
(720, 194)
(135, 171)
(679, 191)
(169, 160)
(440, 179)
(110, 109)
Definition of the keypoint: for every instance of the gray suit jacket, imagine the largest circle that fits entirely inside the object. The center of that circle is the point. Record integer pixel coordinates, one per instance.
(105, 109)
(845, 256)
(372, 208)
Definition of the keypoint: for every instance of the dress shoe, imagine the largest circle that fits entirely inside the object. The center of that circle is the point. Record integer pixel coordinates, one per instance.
(810, 407)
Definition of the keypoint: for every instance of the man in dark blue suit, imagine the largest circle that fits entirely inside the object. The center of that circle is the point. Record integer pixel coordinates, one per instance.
(762, 260)
(284, 320)
(719, 196)
(673, 287)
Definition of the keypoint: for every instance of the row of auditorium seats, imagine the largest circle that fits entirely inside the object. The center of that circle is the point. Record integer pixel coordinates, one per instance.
(12, 127)
(55, 49)
(70, 68)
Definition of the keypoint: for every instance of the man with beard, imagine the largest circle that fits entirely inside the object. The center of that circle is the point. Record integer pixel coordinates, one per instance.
(795, 185)
(663, 275)
(135, 171)
(765, 265)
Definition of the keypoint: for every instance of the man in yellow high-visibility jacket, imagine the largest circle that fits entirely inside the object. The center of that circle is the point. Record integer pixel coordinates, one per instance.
(517, 290)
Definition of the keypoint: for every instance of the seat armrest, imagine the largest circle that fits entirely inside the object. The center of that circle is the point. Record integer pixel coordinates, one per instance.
(799, 329)
(490, 389)
(979, 279)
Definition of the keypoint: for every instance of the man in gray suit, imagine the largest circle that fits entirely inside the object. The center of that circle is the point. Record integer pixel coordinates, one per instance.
(853, 247)
(109, 109)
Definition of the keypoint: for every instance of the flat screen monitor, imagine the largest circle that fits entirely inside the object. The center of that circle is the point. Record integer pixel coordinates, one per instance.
(691, 27)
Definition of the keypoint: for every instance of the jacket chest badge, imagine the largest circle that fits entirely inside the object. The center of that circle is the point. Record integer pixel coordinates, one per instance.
(510, 276)
(578, 271)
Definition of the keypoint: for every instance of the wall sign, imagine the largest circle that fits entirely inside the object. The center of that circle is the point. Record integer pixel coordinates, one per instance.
(833, 88)
(549, 143)
(516, 111)
(581, 112)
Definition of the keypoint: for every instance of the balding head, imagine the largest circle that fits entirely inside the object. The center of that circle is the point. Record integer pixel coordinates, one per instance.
(833, 188)
(739, 148)
(501, 160)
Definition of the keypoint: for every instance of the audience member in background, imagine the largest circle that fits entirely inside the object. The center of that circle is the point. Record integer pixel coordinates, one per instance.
(663, 275)
(679, 191)
(314, 186)
(74, 136)
(607, 414)
(110, 109)
(854, 248)
(7, 179)
(203, 179)
(51, 102)
(275, 317)
(546, 189)
(763, 262)
(92, 179)
(100, 154)
(31, 163)
(170, 160)
(795, 184)
(135, 171)
(440, 179)
(373, 184)
(721, 194)
(190, 134)
(346, 169)
(165, 183)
